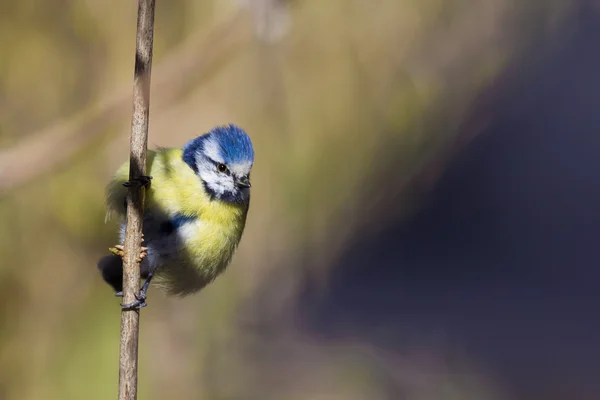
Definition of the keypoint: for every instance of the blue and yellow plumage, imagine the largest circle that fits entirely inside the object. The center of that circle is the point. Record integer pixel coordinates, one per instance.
(195, 210)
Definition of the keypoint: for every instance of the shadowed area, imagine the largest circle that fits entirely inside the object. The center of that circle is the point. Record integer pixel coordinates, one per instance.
(503, 258)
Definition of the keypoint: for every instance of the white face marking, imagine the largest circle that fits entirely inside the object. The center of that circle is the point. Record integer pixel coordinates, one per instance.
(218, 182)
(211, 150)
(222, 183)
(241, 169)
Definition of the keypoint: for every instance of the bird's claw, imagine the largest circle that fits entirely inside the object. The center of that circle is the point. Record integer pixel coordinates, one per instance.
(140, 298)
(140, 302)
(143, 254)
(119, 250)
(135, 305)
(141, 181)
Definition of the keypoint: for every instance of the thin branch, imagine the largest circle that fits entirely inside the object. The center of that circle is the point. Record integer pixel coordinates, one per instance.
(130, 319)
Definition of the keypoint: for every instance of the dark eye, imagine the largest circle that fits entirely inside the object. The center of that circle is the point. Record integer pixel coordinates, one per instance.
(222, 168)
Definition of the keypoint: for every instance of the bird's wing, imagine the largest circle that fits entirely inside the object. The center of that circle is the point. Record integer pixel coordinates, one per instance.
(116, 193)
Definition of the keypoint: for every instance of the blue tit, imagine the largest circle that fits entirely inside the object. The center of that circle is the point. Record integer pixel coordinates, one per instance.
(195, 212)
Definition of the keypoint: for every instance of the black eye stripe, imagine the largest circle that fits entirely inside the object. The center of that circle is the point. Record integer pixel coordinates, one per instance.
(212, 161)
(217, 165)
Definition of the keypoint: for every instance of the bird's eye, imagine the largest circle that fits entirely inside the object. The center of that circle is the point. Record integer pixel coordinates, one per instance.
(222, 168)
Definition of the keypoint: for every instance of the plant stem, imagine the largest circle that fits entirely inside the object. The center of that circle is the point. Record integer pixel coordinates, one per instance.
(128, 359)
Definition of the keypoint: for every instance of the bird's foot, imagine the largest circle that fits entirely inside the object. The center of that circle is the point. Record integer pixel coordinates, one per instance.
(141, 181)
(119, 250)
(140, 298)
(140, 301)
(143, 254)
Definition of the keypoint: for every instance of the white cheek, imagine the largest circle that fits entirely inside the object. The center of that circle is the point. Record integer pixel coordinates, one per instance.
(227, 184)
(217, 182)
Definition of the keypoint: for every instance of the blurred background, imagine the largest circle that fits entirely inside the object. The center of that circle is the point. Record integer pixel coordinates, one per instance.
(424, 220)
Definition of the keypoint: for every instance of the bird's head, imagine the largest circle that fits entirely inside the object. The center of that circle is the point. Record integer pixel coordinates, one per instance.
(223, 159)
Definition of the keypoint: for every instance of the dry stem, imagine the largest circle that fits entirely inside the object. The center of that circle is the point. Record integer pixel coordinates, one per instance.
(128, 359)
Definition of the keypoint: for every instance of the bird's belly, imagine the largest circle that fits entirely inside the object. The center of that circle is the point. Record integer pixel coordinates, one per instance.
(202, 250)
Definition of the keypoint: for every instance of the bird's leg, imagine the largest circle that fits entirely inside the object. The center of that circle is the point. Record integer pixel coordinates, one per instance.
(143, 180)
(140, 298)
(118, 250)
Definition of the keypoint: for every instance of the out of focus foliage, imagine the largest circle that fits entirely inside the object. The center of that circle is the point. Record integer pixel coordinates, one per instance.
(345, 101)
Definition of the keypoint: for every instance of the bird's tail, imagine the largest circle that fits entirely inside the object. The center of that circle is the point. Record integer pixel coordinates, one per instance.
(111, 268)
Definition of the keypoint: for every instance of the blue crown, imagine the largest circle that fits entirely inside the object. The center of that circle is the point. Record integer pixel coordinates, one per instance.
(234, 145)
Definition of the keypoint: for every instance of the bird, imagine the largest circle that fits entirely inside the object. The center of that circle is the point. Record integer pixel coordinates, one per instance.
(196, 204)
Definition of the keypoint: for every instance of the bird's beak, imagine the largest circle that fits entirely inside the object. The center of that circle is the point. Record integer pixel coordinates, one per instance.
(243, 182)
